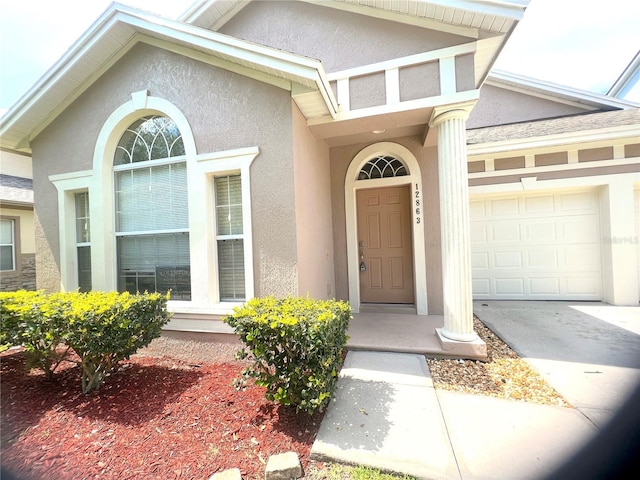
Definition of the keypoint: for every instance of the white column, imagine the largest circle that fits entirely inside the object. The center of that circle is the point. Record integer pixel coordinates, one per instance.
(454, 224)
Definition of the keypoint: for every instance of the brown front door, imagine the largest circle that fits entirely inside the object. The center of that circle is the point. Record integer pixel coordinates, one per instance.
(384, 245)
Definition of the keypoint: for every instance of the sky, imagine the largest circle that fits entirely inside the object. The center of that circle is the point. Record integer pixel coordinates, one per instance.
(583, 44)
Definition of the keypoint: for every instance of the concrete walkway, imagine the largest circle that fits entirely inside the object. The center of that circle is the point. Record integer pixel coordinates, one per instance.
(386, 413)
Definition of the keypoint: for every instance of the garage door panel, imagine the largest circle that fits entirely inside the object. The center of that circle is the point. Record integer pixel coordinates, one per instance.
(479, 233)
(582, 257)
(507, 260)
(543, 258)
(509, 286)
(583, 202)
(544, 286)
(505, 232)
(580, 229)
(583, 285)
(479, 260)
(543, 204)
(537, 246)
(540, 231)
(504, 206)
(477, 209)
(481, 287)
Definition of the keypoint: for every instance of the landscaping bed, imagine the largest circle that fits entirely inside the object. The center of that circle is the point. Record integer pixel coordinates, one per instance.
(157, 417)
(172, 412)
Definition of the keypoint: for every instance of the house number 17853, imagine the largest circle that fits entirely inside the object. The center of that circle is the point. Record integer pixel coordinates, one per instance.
(418, 204)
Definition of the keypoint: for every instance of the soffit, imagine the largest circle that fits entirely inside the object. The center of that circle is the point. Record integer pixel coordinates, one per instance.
(467, 16)
(117, 31)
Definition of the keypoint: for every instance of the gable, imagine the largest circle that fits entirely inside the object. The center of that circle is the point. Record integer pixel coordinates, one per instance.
(339, 39)
(217, 103)
(122, 28)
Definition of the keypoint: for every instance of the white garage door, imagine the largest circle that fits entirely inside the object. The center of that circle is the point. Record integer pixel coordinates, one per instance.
(536, 246)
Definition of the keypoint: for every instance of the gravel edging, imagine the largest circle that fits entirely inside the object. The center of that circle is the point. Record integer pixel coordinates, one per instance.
(503, 375)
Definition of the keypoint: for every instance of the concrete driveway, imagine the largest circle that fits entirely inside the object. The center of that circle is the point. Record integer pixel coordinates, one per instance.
(588, 351)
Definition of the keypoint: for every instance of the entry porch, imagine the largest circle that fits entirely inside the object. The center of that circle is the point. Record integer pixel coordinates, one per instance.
(397, 328)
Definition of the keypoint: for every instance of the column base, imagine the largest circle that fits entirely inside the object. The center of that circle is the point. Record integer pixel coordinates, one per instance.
(475, 349)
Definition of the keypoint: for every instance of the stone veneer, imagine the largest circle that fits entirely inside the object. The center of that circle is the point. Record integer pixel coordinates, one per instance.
(23, 279)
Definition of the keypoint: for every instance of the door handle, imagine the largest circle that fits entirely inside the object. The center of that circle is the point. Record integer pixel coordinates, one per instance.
(363, 266)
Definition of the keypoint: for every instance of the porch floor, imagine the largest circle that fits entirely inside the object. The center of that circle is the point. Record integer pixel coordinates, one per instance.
(395, 329)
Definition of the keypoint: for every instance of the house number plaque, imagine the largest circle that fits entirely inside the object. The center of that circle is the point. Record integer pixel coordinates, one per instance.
(418, 204)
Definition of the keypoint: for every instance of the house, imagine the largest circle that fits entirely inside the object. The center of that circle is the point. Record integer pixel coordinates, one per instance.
(17, 234)
(349, 149)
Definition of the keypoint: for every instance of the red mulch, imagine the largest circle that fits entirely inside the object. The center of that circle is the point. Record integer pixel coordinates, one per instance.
(155, 418)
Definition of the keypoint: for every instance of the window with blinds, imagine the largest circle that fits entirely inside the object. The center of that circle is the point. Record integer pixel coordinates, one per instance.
(152, 215)
(83, 241)
(7, 245)
(230, 237)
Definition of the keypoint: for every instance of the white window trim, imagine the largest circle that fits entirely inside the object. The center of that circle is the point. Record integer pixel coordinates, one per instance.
(99, 182)
(351, 185)
(67, 186)
(207, 167)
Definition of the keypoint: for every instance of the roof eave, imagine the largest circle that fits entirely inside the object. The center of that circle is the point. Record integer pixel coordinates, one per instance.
(574, 95)
(542, 141)
(290, 67)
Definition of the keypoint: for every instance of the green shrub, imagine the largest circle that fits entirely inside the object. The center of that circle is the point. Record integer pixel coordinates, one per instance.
(35, 321)
(102, 328)
(105, 328)
(297, 344)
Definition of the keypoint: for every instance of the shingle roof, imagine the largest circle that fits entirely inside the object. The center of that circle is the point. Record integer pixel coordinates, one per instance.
(555, 126)
(16, 190)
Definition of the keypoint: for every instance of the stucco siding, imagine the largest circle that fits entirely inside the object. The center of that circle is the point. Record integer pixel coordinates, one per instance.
(25, 218)
(225, 111)
(497, 106)
(313, 212)
(427, 159)
(339, 39)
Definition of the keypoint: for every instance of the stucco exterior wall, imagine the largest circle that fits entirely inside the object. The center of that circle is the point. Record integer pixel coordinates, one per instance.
(225, 111)
(313, 212)
(339, 39)
(497, 107)
(427, 158)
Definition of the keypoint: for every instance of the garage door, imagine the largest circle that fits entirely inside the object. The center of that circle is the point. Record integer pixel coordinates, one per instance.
(542, 246)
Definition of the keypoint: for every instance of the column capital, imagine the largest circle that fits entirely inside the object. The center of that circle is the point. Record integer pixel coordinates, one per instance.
(449, 112)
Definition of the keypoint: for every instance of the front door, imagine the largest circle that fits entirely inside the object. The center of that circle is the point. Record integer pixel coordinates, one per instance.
(385, 252)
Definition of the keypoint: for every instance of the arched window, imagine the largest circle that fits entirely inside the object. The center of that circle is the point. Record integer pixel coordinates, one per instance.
(152, 215)
(382, 166)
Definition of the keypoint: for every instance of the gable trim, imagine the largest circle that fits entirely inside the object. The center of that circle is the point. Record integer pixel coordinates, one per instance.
(116, 32)
(589, 101)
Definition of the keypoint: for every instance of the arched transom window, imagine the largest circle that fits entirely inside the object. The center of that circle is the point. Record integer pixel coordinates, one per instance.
(152, 215)
(382, 166)
(150, 138)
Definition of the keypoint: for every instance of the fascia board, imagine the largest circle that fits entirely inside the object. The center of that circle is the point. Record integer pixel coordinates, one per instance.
(529, 143)
(629, 75)
(571, 96)
(194, 11)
